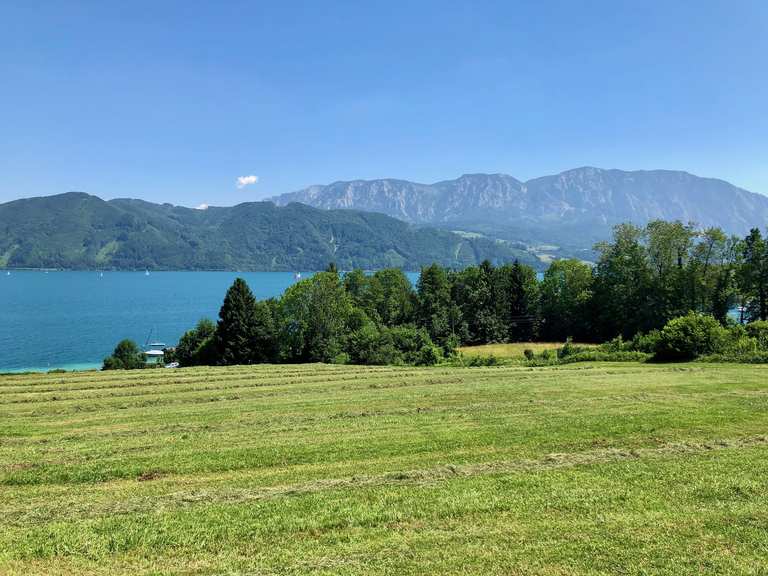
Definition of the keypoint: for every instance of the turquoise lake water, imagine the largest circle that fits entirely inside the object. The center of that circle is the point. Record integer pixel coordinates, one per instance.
(72, 320)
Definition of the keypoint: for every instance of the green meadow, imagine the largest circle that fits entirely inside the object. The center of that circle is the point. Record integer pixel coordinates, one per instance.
(513, 350)
(322, 469)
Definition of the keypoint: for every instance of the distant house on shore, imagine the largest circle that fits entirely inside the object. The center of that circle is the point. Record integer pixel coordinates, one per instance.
(155, 354)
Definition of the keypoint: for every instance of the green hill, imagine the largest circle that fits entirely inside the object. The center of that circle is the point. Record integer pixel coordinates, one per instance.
(80, 231)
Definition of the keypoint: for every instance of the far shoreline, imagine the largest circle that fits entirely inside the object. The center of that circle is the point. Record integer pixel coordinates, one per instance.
(152, 270)
(73, 367)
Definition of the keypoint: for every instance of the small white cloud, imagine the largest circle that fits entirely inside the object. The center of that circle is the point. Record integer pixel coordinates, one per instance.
(202, 207)
(243, 181)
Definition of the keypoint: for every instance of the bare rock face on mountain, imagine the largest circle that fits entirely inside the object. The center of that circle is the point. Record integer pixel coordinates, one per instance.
(398, 198)
(442, 202)
(613, 196)
(585, 201)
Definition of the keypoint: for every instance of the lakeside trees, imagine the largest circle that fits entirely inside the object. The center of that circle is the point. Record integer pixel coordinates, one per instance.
(753, 275)
(197, 346)
(644, 278)
(326, 318)
(315, 314)
(237, 332)
(126, 356)
(565, 296)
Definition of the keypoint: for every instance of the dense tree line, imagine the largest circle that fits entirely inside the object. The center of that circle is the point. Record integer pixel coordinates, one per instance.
(329, 317)
(644, 278)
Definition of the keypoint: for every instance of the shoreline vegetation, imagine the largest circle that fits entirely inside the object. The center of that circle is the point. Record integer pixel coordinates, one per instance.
(662, 292)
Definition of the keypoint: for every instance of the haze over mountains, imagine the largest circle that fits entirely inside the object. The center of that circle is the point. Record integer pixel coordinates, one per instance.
(575, 207)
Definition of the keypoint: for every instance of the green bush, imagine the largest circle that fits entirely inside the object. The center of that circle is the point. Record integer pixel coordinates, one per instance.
(207, 353)
(690, 336)
(490, 360)
(451, 345)
(429, 355)
(759, 331)
(615, 345)
(566, 350)
(759, 357)
(548, 354)
(126, 356)
(196, 347)
(739, 342)
(646, 342)
(596, 355)
(529, 354)
(341, 358)
(415, 345)
(112, 363)
(588, 355)
(169, 355)
(569, 349)
(371, 345)
(546, 357)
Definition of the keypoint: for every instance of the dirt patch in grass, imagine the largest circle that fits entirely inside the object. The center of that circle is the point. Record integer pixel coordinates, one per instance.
(149, 475)
(20, 466)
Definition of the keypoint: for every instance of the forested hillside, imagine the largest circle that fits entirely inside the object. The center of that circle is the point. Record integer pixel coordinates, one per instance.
(80, 231)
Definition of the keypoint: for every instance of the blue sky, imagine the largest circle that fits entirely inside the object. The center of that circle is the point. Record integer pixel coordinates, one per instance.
(173, 101)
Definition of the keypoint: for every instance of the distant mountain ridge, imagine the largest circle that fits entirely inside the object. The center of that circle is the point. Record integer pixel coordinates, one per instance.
(583, 201)
(79, 231)
(370, 223)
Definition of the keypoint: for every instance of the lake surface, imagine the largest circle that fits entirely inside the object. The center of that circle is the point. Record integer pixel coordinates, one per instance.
(72, 320)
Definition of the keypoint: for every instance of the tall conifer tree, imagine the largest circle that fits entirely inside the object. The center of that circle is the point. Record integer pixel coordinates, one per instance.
(237, 327)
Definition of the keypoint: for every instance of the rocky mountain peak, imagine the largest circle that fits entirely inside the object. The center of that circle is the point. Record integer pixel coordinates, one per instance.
(581, 198)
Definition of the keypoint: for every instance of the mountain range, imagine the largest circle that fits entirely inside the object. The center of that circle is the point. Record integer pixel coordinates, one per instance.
(370, 223)
(79, 231)
(576, 207)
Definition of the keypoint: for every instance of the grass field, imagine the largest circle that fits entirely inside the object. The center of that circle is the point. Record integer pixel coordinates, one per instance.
(511, 350)
(581, 469)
